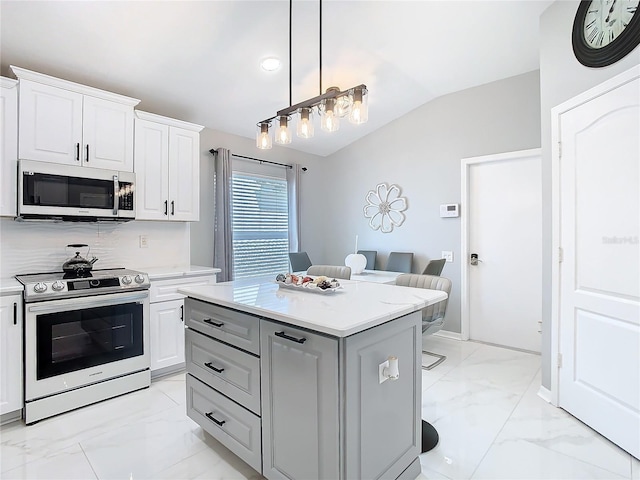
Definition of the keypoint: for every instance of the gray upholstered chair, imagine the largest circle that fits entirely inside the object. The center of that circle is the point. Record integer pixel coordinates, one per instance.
(371, 258)
(434, 267)
(399, 262)
(332, 271)
(299, 261)
(433, 315)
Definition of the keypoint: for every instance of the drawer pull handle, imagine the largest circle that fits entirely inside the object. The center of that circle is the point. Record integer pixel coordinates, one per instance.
(288, 337)
(211, 322)
(210, 365)
(215, 420)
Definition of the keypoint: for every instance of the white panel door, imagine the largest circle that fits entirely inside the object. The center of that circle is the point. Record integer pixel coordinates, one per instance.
(8, 147)
(152, 170)
(10, 353)
(167, 334)
(50, 124)
(107, 134)
(184, 174)
(504, 222)
(599, 378)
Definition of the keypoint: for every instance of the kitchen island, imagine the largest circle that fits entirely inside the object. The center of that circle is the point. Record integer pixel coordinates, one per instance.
(294, 382)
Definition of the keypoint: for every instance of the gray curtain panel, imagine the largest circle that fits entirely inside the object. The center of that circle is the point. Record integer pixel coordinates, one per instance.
(223, 233)
(293, 193)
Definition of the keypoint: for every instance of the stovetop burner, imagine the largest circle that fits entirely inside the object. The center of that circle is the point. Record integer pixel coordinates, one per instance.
(54, 285)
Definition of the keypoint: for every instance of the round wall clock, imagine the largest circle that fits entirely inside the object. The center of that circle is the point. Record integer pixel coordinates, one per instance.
(604, 31)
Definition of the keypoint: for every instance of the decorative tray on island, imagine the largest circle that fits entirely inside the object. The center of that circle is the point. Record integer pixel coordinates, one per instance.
(319, 284)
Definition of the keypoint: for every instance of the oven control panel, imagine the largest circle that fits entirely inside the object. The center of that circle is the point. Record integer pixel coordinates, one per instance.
(40, 287)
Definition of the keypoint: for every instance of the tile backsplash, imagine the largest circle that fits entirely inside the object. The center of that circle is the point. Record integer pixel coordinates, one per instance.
(31, 247)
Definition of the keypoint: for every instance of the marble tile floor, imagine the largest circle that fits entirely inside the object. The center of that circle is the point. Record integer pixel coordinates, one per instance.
(482, 400)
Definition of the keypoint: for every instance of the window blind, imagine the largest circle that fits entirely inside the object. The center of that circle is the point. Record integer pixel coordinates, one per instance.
(260, 226)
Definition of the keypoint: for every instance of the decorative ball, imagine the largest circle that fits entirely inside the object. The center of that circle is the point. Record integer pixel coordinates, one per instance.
(356, 261)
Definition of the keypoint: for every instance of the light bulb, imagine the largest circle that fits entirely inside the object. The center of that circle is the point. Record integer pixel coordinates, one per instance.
(283, 134)
(263, 139)
(330, 121)
(305, 123)
(359, 109)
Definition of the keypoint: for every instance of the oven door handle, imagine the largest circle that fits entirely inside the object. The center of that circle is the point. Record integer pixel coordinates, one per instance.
(79, 303)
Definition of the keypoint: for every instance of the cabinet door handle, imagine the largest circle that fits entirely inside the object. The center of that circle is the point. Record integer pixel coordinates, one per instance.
(210, 365)
(166, 205)
(288, 337)
(87, 149)
(173, 207)
(182, 313)
(215, 420)
(77, 152)
(211, 322)
(15, 313)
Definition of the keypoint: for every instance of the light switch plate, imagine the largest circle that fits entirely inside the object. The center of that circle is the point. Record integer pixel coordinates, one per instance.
(144, 241)
(448, 255)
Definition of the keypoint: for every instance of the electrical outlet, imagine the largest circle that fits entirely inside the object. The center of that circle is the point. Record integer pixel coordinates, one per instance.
(381, 368)
(448, 255)
(144, 241)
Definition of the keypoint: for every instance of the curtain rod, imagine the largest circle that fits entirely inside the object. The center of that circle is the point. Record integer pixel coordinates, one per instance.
(286, 165)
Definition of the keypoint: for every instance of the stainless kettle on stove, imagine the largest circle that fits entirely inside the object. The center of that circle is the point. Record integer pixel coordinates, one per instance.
(78, 265)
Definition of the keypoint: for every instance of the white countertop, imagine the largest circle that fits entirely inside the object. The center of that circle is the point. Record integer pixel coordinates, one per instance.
(162, 273)
(355, 307)
(10, 286)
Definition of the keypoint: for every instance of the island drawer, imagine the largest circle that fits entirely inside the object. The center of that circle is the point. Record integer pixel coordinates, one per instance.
(236, 428)
(235, 328)
(232, 372)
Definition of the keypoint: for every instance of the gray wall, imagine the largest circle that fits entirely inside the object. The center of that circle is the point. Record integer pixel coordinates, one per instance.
(202, 231)
(421, 153)
(561, 78)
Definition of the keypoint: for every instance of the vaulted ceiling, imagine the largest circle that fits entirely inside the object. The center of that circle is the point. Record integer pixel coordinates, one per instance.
(199, 61)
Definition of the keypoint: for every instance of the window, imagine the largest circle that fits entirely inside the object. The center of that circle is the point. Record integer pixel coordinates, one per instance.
(260, 225)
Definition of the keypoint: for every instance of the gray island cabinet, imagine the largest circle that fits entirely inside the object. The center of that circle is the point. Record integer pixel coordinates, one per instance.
(290, 381)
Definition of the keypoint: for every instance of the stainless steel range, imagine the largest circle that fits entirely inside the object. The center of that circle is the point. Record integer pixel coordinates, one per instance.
(86, 338)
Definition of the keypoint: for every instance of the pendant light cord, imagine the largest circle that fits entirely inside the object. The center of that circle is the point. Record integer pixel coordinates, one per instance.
(290, 57)
(320, 45)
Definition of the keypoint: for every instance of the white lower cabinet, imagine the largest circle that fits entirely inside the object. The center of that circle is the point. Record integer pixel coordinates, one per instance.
(167, 334)
(166, 323)
(10, 353)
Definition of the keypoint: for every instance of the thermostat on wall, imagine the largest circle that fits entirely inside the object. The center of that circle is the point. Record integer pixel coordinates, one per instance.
(449, 210)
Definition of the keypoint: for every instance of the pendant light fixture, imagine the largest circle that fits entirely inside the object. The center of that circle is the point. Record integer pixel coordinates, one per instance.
(330, 106)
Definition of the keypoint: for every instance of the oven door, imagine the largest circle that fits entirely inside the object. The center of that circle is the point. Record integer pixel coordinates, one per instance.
(75, 342)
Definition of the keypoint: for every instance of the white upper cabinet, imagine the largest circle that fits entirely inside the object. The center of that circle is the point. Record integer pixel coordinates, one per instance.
(64, 122)
(8, 146)
(167, 166)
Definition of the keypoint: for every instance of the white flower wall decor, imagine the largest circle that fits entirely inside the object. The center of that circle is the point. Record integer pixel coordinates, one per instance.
(384, 207)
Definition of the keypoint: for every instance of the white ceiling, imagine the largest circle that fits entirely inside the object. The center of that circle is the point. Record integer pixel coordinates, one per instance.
(199, 60)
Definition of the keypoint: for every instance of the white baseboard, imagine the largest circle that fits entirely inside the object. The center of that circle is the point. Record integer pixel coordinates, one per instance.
(545, 394)
(448, 334)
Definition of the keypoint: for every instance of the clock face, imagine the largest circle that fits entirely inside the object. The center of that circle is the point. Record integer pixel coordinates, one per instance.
(605, 31)
(605, 20)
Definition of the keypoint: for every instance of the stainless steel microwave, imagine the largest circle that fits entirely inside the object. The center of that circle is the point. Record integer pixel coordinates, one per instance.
(70, 192)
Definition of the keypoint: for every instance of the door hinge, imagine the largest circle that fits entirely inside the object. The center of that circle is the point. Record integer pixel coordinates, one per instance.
(559, 360)
(559, 149)
(560, 255)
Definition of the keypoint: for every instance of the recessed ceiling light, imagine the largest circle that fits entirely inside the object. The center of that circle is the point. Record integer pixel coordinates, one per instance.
(270, 64)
